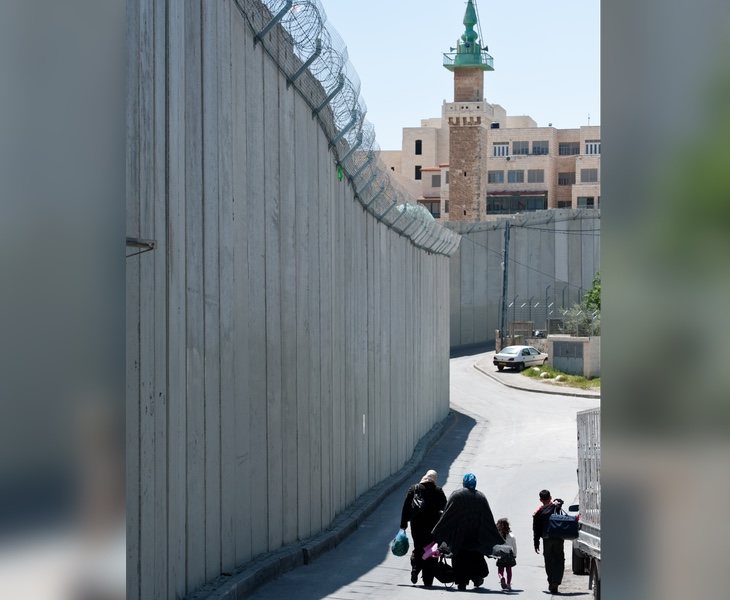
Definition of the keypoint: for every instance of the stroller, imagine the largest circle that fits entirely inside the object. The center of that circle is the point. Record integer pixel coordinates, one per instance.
(444, 571)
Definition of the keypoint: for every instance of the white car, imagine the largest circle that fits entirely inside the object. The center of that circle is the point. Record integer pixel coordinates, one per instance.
(519, 357)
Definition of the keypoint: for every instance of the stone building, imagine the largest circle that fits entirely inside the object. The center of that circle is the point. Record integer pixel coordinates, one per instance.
(476, 162)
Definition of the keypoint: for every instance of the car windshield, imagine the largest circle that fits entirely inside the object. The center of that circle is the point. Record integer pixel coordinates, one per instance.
(510, 350)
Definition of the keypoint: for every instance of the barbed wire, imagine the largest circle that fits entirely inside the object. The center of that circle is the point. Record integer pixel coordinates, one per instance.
(313, 58)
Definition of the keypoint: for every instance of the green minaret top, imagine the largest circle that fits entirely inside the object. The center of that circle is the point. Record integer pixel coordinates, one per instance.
(469, 52)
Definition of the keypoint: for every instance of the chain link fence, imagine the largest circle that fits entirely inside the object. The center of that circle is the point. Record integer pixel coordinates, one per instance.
(314, 59)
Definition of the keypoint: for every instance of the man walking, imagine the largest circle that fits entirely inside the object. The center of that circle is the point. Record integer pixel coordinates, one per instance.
(552, 549)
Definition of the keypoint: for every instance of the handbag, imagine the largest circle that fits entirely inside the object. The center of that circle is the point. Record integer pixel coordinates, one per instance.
(561, 526)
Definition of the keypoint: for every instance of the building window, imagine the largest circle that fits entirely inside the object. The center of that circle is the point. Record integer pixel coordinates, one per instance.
(585, 202)
(433, 207)
(419, 147)
(418, 171)
(501, 149)
(541, 147)
(568, 148)
(520, 147)
(509, 205)
(435, 180)
(566, 178)
(447, 180)
(535, 176)
(564, 204)
(446, 206)
(494, 125)
(588, 175)
(593, 146)
(392, 168)
(495, 176)
(516, 176)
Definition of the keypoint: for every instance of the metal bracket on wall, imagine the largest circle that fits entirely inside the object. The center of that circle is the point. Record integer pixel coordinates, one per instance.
(147, 245)
(278, 17)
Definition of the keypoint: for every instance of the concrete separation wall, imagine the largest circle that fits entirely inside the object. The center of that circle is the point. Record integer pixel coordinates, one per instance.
(286, 350)
(257, 572)
(553, 256)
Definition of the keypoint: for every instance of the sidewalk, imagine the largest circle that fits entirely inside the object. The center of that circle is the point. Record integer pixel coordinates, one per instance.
(516, 380)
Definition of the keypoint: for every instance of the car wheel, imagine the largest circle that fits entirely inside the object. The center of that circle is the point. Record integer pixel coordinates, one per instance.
(520, 366)
(500, 367)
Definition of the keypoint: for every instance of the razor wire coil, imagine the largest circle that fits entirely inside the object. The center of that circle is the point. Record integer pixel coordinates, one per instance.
(313, 57)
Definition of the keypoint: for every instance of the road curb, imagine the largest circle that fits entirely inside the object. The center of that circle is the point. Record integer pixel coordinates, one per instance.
(529, 389)
(267, 566)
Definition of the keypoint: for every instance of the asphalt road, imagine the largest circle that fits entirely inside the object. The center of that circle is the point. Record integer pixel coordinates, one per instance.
(516, 443)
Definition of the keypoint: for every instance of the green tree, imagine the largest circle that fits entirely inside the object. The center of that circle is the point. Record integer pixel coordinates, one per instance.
(592, 300)
(580, 320)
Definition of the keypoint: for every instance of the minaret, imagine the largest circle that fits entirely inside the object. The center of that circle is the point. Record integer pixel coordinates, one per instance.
(468, 123)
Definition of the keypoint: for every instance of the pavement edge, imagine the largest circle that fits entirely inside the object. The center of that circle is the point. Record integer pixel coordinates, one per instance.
(560, 392)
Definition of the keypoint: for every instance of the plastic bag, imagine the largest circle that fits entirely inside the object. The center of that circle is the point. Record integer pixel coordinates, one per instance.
(399, 545)
(431, 550)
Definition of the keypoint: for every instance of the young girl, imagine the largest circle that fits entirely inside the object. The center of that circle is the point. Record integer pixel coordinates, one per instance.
(502, 563)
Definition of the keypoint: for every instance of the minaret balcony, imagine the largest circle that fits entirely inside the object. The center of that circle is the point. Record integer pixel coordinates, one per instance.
(481, 60)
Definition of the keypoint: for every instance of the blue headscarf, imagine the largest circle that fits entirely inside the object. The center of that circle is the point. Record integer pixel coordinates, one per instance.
(470, 481)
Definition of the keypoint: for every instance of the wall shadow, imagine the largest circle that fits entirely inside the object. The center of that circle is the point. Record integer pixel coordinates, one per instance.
(368, 547)
(470, 349)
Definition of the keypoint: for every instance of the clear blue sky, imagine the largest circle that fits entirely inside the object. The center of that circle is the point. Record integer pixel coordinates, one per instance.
(546, 58)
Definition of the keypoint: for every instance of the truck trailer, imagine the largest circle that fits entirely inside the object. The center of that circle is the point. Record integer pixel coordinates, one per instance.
(587, 548)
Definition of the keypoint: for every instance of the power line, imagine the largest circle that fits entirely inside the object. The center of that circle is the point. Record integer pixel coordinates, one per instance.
(512, 260)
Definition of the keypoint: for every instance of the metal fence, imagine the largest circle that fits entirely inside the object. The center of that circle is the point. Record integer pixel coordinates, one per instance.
(314, 59)
(548, 316)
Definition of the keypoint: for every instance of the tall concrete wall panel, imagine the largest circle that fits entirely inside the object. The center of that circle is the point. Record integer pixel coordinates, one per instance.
(553, 256)
(286, 350)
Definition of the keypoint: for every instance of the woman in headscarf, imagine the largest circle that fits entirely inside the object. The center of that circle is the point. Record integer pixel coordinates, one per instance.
(422, 508)
(467, 526)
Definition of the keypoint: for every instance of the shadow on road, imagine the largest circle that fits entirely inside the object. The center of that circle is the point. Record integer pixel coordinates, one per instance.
(350, 564)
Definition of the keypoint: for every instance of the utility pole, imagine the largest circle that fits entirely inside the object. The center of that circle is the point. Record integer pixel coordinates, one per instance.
(505, 271)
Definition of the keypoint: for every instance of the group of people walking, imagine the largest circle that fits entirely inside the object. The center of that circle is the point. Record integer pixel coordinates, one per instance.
(464, 527)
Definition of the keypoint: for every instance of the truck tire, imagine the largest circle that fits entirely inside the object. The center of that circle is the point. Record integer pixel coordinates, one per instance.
(596, 577)
(579, 562)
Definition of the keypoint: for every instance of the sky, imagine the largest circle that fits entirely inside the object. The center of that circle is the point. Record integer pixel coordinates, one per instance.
(546, 58)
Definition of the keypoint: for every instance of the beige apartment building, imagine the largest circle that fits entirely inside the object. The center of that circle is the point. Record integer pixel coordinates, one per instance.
(524, 168)
(476, 162)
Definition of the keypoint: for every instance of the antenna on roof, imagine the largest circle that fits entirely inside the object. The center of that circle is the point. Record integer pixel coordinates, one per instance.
(479, 25)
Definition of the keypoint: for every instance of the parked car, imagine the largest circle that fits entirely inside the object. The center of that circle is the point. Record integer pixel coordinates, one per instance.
(519, 357)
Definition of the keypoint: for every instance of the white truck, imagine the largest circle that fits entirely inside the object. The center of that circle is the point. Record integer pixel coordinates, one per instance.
(587, 548)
